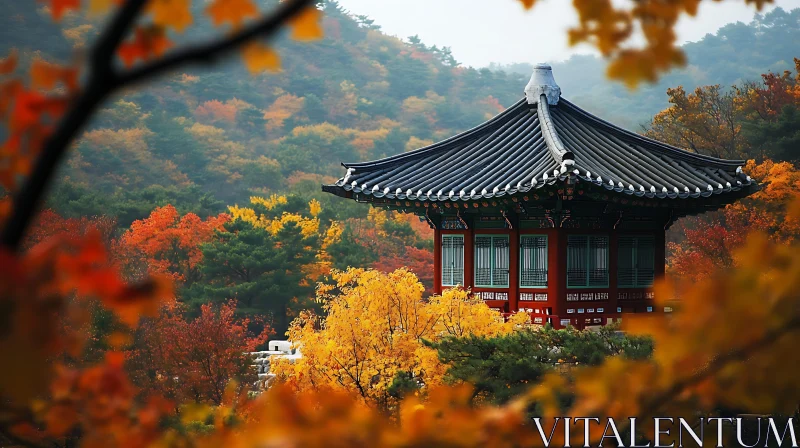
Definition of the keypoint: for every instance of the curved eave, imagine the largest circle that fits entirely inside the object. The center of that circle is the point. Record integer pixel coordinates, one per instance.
(725, 195)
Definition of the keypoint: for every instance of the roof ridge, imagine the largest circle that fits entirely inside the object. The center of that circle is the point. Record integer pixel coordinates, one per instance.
(560, 153)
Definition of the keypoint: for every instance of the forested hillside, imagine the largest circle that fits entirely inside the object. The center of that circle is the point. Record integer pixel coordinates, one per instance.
(737, 52)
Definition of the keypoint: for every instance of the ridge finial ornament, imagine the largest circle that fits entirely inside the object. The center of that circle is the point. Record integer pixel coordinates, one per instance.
(542, 83)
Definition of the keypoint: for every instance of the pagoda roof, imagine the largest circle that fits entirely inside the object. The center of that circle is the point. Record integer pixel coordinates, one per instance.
(541, 140)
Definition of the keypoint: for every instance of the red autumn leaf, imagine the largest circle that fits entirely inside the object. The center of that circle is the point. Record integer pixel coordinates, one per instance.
(8, 64)
(59, 7)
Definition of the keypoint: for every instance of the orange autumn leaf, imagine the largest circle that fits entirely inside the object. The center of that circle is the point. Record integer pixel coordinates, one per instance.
(9, 63)
(59, 7)
(146, 44)
(234, 12)
(306, 26)
(45, 75)
(259, 57)
(171, 13)
(97, 7)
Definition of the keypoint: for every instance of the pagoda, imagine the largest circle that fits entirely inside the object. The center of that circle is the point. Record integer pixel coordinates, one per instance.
(548, 209)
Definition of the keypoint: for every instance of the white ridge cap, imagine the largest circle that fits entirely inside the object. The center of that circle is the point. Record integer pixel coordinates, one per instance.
(542, 83)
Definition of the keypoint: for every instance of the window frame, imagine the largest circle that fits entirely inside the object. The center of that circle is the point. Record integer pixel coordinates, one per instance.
(493, 261)
(589, 238)
(635, 260)
(442, 268)
(546, 260)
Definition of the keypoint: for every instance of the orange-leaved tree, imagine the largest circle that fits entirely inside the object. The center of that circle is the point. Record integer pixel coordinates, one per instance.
(167, 243)
(703, 244)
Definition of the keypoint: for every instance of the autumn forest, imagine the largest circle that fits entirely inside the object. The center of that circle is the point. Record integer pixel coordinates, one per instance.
(185, 227)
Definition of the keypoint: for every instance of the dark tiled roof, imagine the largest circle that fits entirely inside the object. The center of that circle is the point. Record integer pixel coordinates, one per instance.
(529, 146)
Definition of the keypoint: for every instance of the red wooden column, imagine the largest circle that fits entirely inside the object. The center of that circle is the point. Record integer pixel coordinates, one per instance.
(513, 270)
(660, 253)
(437, 261)
(469, 258)
(558, 275)
(613, 259)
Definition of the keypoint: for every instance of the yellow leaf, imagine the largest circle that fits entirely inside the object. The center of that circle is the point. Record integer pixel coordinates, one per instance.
(232, 11)
(306, 26)
(97, 7)
(195, 412)
(171, 13)
(259, 57)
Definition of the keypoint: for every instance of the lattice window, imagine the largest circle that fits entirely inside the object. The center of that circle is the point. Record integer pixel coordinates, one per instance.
(587, 261)
(636, 261)
(491, 260)
(452, 260)
(533, 261)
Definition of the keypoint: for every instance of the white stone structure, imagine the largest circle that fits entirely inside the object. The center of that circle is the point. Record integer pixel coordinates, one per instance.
(263, 359)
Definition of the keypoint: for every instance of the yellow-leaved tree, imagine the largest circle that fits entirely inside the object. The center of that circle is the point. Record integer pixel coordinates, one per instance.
(270, 214)
(374, 329)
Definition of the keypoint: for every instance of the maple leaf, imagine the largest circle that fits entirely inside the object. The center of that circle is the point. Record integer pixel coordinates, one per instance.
(232, 11)
(306, 25)
(45, 75)
(528, 4)
(9, 63)
(146, 43)
(171, 13)
(259, 57)
(59, 7)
